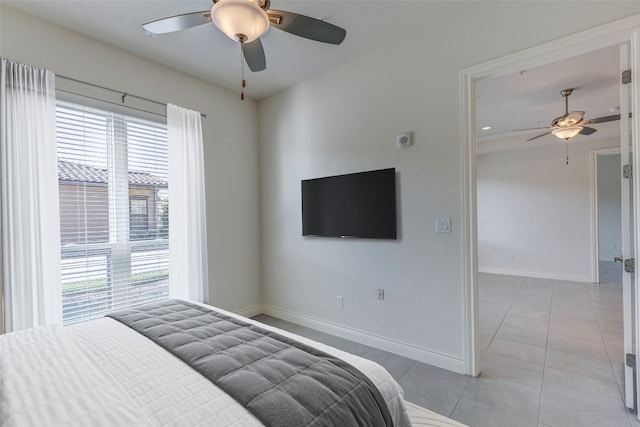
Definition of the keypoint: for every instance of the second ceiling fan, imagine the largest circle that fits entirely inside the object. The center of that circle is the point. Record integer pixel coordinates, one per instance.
(571, 123)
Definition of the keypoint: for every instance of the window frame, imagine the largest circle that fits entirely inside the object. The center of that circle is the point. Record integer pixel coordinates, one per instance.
(121, 248)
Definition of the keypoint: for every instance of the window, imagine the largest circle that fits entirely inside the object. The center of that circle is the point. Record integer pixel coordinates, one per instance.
(114, 207)
(138, 217)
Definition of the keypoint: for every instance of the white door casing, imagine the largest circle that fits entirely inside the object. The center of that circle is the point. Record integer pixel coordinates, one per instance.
(625, 31)
(627, 208)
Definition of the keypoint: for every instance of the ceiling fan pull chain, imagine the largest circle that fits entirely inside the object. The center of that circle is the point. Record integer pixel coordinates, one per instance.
(244, 83)
(566, 145)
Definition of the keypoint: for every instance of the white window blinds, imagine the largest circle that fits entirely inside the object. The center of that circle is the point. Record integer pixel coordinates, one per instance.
(114, 210)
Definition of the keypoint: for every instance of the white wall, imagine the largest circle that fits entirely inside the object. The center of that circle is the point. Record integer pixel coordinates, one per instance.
(229, 130)
(609, 208)
(535, 207)
(346, 120)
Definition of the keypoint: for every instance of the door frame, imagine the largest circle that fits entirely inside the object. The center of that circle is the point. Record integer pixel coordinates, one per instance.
(595, 234)
(626, 30)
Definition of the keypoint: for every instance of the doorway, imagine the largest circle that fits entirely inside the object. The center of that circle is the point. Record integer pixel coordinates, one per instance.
(606, 208)
(617, 33)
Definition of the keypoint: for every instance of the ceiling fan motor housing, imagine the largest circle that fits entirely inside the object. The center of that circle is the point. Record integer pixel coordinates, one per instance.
(240, 20)
(264, 4)
(566, 92)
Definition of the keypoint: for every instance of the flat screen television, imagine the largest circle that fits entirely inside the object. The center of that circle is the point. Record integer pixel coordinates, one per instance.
(359, 204)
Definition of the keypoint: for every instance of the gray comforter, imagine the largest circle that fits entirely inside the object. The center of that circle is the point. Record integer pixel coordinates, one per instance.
(279, 380)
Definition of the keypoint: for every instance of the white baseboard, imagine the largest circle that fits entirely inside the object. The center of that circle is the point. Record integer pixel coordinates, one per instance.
(440, 360)
(251, 311)
(536, 274)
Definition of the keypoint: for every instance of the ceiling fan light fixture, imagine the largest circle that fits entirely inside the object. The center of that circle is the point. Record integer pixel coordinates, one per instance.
(567, 132)
(240, 19)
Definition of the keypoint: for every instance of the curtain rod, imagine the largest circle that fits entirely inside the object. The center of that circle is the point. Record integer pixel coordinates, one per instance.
(112, 103)
(123, 93)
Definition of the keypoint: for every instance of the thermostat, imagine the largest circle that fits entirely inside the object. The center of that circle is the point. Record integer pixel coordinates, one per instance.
(404, 140)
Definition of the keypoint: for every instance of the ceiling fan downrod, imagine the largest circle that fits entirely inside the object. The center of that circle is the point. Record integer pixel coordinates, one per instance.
(565, 94)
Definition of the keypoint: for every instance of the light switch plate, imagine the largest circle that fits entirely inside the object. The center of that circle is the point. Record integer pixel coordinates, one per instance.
(443, 225)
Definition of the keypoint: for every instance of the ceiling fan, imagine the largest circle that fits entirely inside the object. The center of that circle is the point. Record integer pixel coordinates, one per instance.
(245, 21)
(571, 123)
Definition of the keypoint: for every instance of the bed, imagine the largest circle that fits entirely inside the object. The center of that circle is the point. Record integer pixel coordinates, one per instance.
(107, 373)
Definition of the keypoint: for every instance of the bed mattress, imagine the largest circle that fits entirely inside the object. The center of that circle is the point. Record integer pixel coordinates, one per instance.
(102, 373)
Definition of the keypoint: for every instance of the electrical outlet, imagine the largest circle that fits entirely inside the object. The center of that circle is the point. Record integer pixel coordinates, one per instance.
(339, 302)
(510, 257)
(380, 293)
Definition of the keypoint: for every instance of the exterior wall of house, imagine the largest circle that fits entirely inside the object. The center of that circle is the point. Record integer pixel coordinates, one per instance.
(75, 222)
(150, 194)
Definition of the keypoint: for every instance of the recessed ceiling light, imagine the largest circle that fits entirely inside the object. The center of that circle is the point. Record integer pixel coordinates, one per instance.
(486, 128)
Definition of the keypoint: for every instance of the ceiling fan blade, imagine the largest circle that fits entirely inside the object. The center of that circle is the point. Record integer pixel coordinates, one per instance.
(178, 22)
(254, 55)
(603, 119)
(518, 130)
(587, 130)
(571, 119)
(307, 27)
(574, 117)
(557, 120)
(539, 136)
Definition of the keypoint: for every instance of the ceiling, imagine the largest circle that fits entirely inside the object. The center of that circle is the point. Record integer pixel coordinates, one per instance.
(527, 99)
(207, 53)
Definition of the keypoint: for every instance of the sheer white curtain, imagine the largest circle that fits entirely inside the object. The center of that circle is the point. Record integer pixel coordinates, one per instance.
(188, 272)
(30, 205)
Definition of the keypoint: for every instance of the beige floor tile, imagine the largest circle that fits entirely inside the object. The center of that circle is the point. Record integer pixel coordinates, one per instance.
(484, 342)
(501, 397)
(575, 400)
(501, 368)
(582, 365)
(596, 350)
(592, 333)
(523, 335)
(541, 325)
(488, 328)
(517, 350)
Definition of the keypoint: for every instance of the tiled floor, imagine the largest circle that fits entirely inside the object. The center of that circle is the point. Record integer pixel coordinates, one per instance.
(551, 356)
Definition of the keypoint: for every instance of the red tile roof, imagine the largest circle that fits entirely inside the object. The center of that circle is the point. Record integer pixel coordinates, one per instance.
(70, 171)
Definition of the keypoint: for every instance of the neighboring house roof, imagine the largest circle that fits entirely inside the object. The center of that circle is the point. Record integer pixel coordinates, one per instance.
(70, 171)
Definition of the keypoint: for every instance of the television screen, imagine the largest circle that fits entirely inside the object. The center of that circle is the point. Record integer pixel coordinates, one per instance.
(354, 205)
